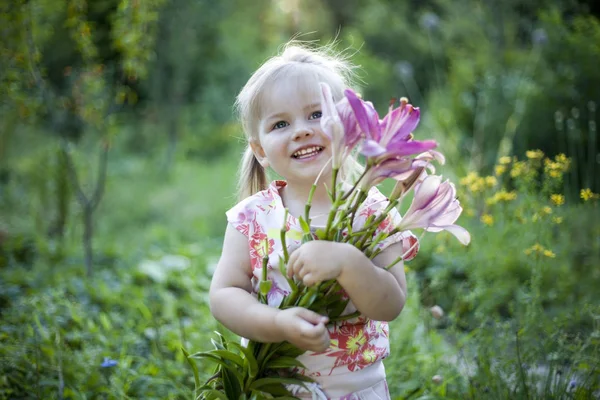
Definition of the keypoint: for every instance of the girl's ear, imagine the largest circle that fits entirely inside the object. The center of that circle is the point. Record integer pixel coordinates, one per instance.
(259, 152)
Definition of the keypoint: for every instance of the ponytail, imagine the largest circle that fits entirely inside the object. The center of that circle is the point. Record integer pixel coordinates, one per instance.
(252, 177)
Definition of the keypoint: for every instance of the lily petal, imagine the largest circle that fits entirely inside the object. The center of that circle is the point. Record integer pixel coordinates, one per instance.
(371, 148)
(459, 232)
(367, 119)
(399, 124)
(351, 128)
(331, 124)
(427, 191)
(403, 148)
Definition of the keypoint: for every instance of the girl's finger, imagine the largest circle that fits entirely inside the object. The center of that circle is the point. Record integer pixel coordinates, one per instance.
(291, 263)
(308, 279)
(300, 271)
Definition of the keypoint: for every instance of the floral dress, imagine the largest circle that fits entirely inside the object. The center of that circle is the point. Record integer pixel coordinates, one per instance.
(352, 363)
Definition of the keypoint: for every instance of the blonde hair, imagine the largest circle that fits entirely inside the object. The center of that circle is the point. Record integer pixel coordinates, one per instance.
(322, 63)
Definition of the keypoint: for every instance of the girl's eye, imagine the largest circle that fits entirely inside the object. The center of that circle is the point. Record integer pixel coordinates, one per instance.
(316, 115)
(280, 124)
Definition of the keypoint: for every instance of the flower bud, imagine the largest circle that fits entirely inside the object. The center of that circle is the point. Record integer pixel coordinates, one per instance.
(437, 312)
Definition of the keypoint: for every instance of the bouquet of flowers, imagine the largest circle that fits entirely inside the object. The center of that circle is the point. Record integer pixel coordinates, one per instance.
(266, 370)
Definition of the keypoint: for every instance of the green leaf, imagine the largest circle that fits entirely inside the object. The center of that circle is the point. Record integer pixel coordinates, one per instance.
(259, 383)
(337, 309)
(194, 369)
(249, 357)
(264, 287)
(285, 362)
(232, 384)
(277, 390)
(304, 225)
(217, 345)
(289, 350)
(229, 355)
(320, 233)
(220, 361)
(212, 394)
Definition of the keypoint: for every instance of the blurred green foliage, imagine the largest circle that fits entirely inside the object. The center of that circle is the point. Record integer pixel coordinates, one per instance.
(157, 80)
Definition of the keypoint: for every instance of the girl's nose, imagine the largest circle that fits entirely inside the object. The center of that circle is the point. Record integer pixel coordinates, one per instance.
(302, 131)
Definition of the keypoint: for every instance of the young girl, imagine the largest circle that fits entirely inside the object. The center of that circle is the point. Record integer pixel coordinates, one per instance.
(280, 112)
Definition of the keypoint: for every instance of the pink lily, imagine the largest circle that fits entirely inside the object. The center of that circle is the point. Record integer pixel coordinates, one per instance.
(397, 168)
(339, 124)
(435, 208)
(332, 124)
(390, 137)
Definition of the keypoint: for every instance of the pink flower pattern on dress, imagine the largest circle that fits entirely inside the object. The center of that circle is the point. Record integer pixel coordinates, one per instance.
(355, 343)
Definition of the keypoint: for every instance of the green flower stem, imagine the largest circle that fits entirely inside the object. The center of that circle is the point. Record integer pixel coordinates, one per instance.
(286, 255)
(307, 299)
(290, 299)
(356, 183)
(374, 254)
(372, 227)
(332, 213)
(396, 261)
(265, 263)
(345, 317)
(334, 176)
(361, 197)
(309, 203)
(262, 354)
(407, 252)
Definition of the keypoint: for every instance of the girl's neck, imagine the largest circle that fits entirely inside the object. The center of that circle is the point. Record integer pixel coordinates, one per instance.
(295, 196)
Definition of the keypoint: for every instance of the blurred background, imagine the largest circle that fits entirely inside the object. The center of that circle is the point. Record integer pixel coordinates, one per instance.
(119, 154)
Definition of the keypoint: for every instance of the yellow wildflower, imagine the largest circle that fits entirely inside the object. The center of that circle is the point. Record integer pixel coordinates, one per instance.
(557, 220)
(539, 249)
(477, 186)
(500, 169)
(557, 199)
(586, 194)
(562, 158)
(508, 196)
(487, 219)
(502, 195)
(491, 181)
(504, 160)
(518, 169)
(469, 179)
(555, 174)
(547, 210)
(549, 254)
(534, 154)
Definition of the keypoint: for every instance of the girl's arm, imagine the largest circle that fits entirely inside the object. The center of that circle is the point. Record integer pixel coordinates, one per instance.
(375, 292)
(232, 304)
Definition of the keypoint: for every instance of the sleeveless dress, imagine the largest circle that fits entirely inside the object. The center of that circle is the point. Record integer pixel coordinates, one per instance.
(351, 368)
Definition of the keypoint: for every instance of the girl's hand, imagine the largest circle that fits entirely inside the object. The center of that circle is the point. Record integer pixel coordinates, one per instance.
(304, 328)
(317, 261)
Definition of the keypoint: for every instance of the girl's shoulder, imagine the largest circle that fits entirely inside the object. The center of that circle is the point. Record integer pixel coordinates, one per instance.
(266, 199)
(266, 196)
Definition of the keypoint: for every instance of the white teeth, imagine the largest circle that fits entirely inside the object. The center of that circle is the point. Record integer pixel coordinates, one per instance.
(307, 152)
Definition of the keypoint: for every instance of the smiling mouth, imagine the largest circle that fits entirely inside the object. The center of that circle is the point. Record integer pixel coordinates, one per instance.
(308, 152)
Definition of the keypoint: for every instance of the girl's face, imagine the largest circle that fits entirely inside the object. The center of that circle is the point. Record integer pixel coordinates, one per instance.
(290, 137)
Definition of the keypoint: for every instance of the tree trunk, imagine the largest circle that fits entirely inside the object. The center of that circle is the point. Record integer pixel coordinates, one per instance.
(87, 239)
